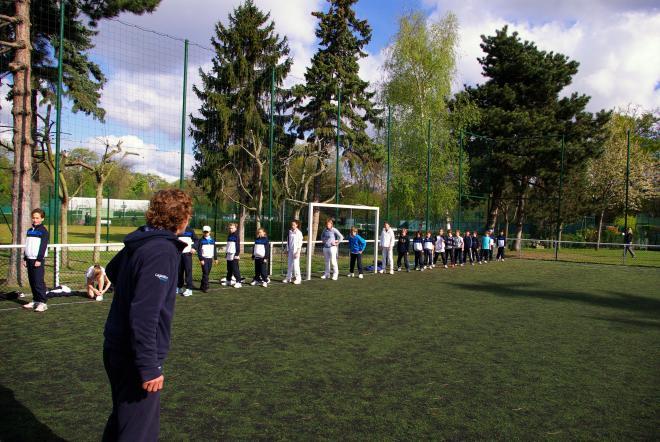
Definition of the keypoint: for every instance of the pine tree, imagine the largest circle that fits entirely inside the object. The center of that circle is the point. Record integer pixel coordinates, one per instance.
(522, 110)
(342, 38)
(231, 134)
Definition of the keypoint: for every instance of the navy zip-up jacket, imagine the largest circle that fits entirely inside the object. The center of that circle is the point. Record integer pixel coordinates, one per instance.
(144, 274)
(264, 242)
(233, 238)
(403, 244)
(467, 242)
(36, 243)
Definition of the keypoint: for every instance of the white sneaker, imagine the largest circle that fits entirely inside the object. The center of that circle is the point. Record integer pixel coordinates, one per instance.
(398, 269)
(29, 306)
(324, 276)
(391, 272)
(297, 282)
(40, 307)
(286, 281)
(381, 271)
(224, 283)
(238, 285)
(254, 282)
(100, 298)
(264, 284)
(422, 269)
(335, 277)
(21, 295)
(186, 293)
(350, 275)
(446, 266)
(361, 276)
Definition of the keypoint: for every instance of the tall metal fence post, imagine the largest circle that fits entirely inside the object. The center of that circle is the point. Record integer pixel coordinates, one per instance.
(389, 147)
(107, 221)
(428, 173)
(561, 183)
(625, 210)
(270, 151)
(58, 138)
(183, 112)
(338, 146)
(460, 181)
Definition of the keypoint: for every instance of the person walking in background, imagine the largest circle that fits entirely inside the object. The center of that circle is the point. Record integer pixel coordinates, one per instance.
(189, 238)
(137, 331)
(501, 245)
(418, 248)
(330, 238)
(628, 241)
(429, 244)
(261, 256)
(387, 241)
(96, 282)
(403, 248)
(34, 258)
(356, 245)
(440, 248)
(232, 255)
(208, 255)
(294, 247)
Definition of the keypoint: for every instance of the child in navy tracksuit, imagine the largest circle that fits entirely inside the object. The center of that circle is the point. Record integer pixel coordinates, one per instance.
(467, 248)
(189, 238)
(207, 254)
(475, 247)
(403, 248)
(449, 247)
(233, 258)
(501, 244)
(356, 244)
(418, 247)
(261, 256)
(34, 256)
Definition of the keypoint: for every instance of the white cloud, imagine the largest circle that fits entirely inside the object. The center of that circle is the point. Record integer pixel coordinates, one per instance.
(616, 43)
(144, 157)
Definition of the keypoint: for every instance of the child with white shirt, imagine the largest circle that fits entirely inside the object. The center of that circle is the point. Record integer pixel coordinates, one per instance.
(207, 255)
(261, 256)
(387, 241)
(330, 238)
(294, 247)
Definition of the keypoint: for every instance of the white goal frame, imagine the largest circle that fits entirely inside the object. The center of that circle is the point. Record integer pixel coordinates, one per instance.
(311, 241)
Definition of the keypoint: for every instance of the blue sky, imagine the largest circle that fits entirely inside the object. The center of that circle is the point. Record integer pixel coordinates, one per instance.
(617, 43)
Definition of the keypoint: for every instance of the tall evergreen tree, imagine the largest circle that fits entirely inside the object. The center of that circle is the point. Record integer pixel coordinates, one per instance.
(342, 38)
(231, 132)
(522, 109)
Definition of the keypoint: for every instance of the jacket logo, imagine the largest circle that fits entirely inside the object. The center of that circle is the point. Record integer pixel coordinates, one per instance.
(162, 278)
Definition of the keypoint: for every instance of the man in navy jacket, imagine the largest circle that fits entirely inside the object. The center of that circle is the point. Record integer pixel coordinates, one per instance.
(137, 331)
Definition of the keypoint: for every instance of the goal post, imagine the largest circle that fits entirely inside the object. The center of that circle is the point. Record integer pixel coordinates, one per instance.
(311, 241)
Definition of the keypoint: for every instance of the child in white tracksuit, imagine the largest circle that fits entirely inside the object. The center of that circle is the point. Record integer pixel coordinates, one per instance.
(294, 247)
(387, 241)
(330, 238)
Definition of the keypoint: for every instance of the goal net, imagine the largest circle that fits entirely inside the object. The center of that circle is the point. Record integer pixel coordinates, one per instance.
(364, 218)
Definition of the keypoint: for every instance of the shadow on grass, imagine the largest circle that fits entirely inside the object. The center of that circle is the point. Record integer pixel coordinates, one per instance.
(609, 299)
(627, 321)
(17, 423)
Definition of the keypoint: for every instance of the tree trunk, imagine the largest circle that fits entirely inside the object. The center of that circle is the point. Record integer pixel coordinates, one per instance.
(316, 215)
(520, 219)
(36, 156)
(241, 228)
(600, 228)
(493, 210)
(97, 227)
(22, 140)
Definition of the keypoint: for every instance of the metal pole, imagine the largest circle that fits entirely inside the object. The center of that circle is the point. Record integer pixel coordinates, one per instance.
(428, 173)
(338, 143)
(460, 181)
(389, 148)
(107, 218)
(561, 184)
(58, 125)
(50, 204)
(270, 151)
(183, 111)
(625, 210)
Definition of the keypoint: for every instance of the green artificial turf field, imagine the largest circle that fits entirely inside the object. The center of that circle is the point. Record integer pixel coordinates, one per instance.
(523, 350)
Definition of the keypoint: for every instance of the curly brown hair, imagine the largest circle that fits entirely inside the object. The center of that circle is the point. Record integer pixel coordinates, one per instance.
(168, 209)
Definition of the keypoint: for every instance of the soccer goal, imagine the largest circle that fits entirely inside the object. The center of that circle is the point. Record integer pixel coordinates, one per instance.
(365, 218)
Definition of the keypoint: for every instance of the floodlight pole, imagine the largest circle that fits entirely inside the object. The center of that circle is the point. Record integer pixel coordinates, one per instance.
(625, 210)
(183, 111)
(428, 173)
(107, 216)
(389, 147)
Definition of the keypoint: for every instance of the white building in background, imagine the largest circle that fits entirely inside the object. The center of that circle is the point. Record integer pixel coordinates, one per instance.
(87, 206)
